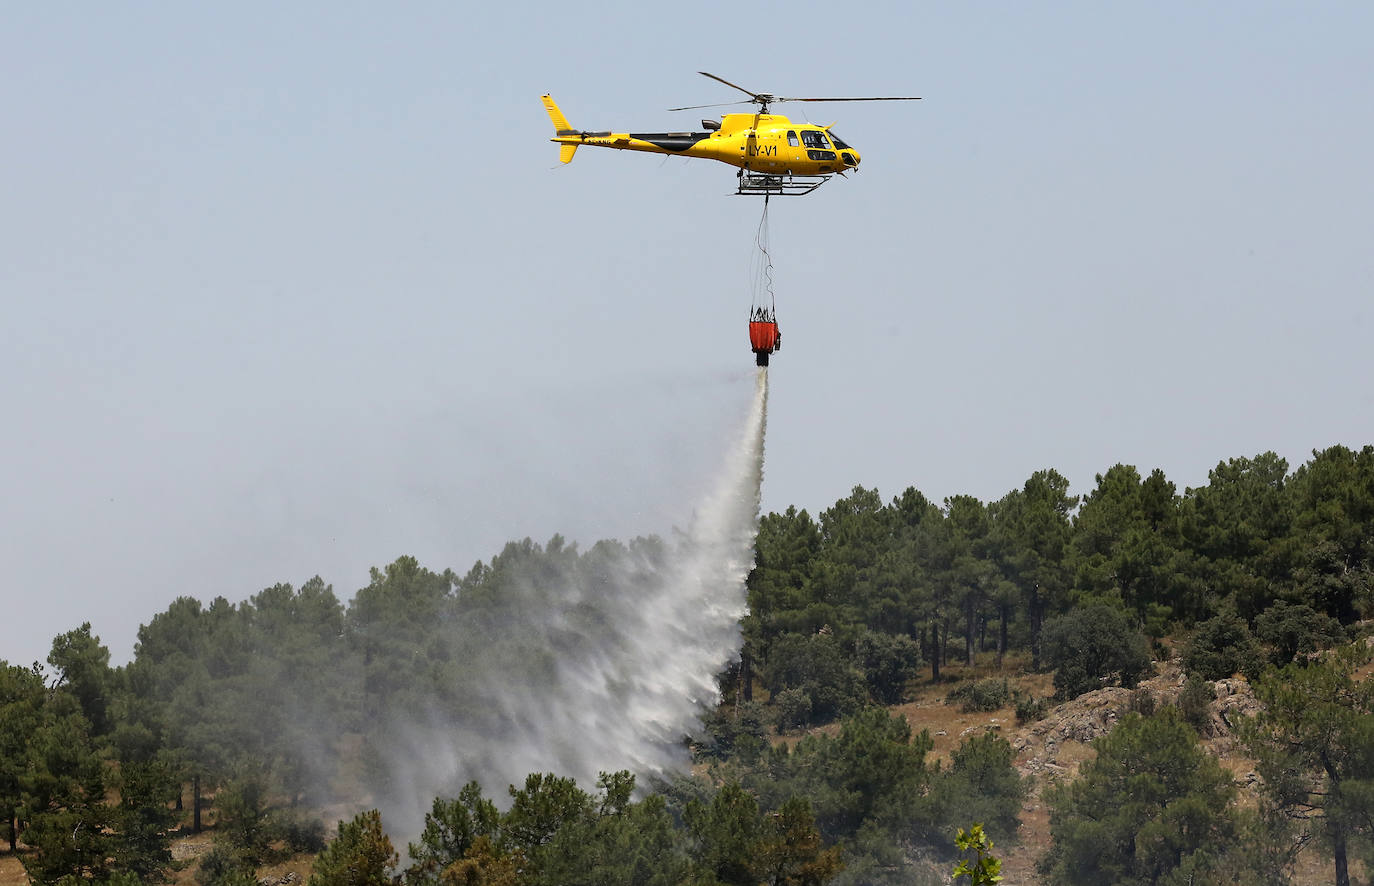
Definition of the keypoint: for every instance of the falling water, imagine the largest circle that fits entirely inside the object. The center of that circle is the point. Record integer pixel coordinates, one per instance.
(624, 699)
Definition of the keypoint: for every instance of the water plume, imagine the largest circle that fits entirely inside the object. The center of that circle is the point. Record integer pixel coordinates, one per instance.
(582, 662)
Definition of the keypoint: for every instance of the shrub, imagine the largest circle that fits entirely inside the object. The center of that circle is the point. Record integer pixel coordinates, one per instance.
(1220, 647)
(732, 730)
(888, 662)
(302, 833)
(794, 709)
(983, 695)
(1294, 631)
(1091, 647)
(1029, 708)
(816, 665)
(980, 784)
(225, 865)
(1194, 703)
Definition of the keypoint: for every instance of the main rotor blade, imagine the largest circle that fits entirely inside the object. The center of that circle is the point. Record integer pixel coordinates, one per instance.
(752, 95)
(884, 98)
(720, 105)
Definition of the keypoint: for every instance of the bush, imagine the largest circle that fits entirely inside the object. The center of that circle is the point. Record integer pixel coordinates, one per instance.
(1295, 631)
(817, 666)
(732, 730)
(888, 662)
(302, 833)
(984, 695)
(794, 709)
(1092, 647)
(1220, 647)
(1029, 708)
(1142, 702)
(981, 784)
(1194, 703)
(1161, 650)
(225, 865)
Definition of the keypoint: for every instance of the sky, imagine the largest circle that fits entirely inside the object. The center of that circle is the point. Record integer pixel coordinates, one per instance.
(295, 289)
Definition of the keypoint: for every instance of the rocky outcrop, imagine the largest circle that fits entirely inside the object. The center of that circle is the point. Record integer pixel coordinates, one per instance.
(1056, 745)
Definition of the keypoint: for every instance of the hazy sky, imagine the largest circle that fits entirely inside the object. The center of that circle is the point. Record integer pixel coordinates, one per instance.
(297, 288)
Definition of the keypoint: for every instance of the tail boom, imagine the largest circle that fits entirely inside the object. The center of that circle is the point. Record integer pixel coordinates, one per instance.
(691, 144)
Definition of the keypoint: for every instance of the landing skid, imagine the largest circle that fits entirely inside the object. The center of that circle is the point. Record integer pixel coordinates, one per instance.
(781, 185)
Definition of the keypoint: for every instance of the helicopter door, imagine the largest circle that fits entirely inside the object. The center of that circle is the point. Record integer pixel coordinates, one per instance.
(818, 148)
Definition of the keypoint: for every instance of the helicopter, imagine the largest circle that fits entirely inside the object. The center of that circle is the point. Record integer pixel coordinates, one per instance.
(775, 156)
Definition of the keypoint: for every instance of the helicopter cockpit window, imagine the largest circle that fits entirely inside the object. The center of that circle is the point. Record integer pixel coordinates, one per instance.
(839, 142)
(791, 138)
(813, 139)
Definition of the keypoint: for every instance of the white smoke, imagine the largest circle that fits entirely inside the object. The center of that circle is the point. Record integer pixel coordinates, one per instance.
(623, 698)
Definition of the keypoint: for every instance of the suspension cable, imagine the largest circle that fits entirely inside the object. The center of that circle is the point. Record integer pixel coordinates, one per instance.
(762, 270)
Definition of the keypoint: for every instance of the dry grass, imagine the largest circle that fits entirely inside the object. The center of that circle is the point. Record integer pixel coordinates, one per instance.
(947, 724)
(12, 870)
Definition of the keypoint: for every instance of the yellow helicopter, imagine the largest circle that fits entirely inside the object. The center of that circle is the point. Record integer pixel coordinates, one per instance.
(774, 155)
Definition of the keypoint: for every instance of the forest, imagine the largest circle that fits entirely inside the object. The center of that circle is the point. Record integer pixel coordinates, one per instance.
(256, 721)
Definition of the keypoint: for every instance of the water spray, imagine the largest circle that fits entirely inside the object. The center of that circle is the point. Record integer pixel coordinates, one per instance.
(637, 633)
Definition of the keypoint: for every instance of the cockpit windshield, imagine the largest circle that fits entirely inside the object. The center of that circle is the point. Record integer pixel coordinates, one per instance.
(813, 139)
(839, 142)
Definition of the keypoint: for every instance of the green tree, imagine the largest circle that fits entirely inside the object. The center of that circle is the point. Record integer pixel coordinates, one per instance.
(1293, 631)
(724, 834)
(391, 624)
(889, 662)
(909, 596)
(451, 828)
(72, 830)
(538, 810)
(615, 842)
(83, 669)
(790, 851)
(970, 579)
(874, 770)
(360, 855)
(1035, 531)
(245, 821)
(224, 865)
(984, 869)
(190, 663)
(1126, 543)
(737, 730)
(1237, 529)
(298, 670)
(1149, 803)
(1314, 740)
(84, 818)
(144, 818)
(856, 533)
(1091, 645)
(1333, 523)
(819, 667)
(981, 783)
(779, 600)
(22, 696)
(1222, 646)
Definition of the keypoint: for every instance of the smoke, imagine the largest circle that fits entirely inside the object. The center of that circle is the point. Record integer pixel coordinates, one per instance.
(585, 662)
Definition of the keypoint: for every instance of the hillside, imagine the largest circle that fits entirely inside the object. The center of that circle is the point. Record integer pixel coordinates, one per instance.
(1047, 750)
(1055, 747)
